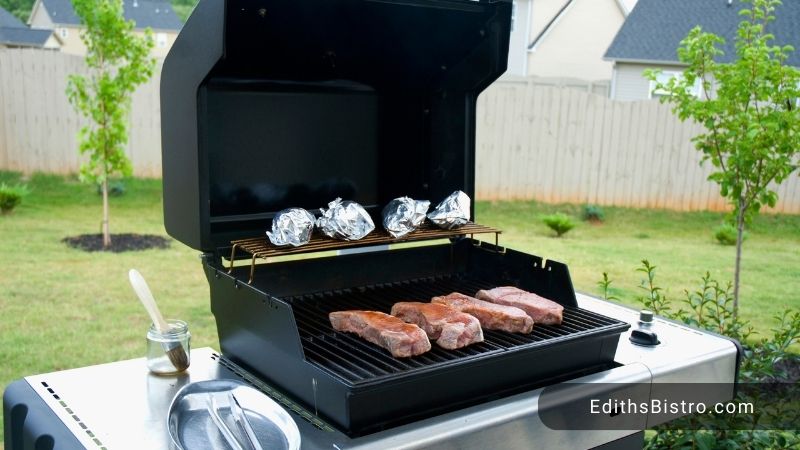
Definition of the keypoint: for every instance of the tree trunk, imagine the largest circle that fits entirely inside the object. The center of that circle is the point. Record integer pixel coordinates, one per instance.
(737, 269)
(106, 232)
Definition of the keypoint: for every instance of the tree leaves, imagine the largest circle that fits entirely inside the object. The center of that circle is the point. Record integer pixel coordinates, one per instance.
(118, 62)
(748, 109)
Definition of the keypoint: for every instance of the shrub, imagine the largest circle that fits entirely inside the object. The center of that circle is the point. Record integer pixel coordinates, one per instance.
(560, 223)
(711, 307)
(11, 196)
(115, 189)
(593, 213)
(725, 234)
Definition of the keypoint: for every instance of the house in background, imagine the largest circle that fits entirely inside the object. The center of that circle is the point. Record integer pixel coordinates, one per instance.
(14, 33)
(650, 37)
(60, 17)
(564, 38)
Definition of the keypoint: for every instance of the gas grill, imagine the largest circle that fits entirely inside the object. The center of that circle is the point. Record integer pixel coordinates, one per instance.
(270, 104)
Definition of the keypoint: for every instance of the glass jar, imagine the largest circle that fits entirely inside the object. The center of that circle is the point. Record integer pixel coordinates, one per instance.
(168, 353)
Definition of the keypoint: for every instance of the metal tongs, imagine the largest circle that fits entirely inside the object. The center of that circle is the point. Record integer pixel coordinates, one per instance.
(245, 438)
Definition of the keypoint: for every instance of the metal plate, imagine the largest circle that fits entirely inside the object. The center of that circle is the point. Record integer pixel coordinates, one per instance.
(192, 427)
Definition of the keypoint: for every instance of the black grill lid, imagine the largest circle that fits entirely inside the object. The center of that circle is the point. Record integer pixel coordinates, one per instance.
(268, 104)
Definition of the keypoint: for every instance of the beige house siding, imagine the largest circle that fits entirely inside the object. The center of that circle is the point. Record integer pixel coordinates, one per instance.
(543, 11)
(72, 44)
(69, 38)
(574, 47)
(52, 43)
(40, 18)
(629, 83)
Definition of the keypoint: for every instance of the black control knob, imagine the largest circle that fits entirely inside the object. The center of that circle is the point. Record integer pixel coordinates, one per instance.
(645, 316)
(645, 338)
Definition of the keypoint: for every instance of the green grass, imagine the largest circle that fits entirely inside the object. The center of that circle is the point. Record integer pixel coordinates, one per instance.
(62, 308)
(681, 245)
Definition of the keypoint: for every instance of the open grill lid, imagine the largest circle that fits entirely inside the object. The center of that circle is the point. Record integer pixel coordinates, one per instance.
(269, 104)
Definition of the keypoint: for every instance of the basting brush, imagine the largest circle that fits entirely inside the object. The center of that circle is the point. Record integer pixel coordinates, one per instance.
(174, 350)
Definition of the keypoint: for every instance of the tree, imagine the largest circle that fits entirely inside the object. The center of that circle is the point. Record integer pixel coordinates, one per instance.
(19, 8)
(118, 61)
(749, 108)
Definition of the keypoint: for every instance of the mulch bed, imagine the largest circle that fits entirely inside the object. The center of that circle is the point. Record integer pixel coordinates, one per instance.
(119, 242)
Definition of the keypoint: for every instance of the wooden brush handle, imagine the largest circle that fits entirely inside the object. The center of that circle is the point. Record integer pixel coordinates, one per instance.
(146, 297)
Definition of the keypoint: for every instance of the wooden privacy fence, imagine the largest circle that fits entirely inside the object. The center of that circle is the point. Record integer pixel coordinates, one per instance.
(537, 139)
(556, 144)
(38, 126)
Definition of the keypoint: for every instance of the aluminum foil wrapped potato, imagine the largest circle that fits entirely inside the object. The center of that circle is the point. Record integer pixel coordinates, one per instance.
(345, 220)
(291, 226)
(452, 212)
(403, 215)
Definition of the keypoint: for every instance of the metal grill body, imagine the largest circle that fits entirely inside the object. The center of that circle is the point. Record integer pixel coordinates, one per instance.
(277, 326)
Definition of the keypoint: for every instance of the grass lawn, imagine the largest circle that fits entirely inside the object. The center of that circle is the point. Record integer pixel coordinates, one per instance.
(681, 245)
(62, 308)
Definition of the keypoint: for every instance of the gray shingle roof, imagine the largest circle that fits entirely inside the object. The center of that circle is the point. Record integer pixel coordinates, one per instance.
(654, 29)
(23, 37)
(156, 14)
(14, 32)
(9, 20)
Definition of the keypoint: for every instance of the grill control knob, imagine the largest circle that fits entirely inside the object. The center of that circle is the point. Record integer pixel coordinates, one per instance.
(645, 338)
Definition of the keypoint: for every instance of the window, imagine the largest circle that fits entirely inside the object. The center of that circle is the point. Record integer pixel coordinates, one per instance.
(63, 32)
(161, 40)
(664, 77)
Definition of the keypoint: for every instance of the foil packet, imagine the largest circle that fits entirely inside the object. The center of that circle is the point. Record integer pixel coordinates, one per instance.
(452, 212)
(345, 220)
(403, 215)
(291, 226)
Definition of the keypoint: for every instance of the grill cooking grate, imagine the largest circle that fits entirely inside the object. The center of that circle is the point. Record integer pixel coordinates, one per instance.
(358, 361)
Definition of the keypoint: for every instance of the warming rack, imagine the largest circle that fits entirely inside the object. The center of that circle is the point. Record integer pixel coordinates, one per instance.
(261, 247)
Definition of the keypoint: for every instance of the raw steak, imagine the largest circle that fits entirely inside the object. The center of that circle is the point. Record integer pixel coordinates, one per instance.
(451, 328)
(490, 315)
(400, 338)
(540, 309)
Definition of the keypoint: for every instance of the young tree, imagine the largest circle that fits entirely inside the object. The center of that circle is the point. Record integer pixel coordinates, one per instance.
(749, 108)
(118, 61)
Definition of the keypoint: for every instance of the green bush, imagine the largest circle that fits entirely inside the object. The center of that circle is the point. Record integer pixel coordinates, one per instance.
(11, 196)
(593, 213)
(725, 234)
(560, 223)
(710, 307)
(115, 189)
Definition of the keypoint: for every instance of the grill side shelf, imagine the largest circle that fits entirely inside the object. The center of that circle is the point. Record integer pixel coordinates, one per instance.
(263, 249)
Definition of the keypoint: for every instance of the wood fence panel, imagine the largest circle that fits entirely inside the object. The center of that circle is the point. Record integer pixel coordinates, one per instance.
(548, 140)
(38, 126)
(583, 148)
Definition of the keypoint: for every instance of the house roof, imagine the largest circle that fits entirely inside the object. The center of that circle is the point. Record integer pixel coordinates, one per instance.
(654, 29)
(156, 14)
(14, 32)
(9, 20)
(23, 37)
